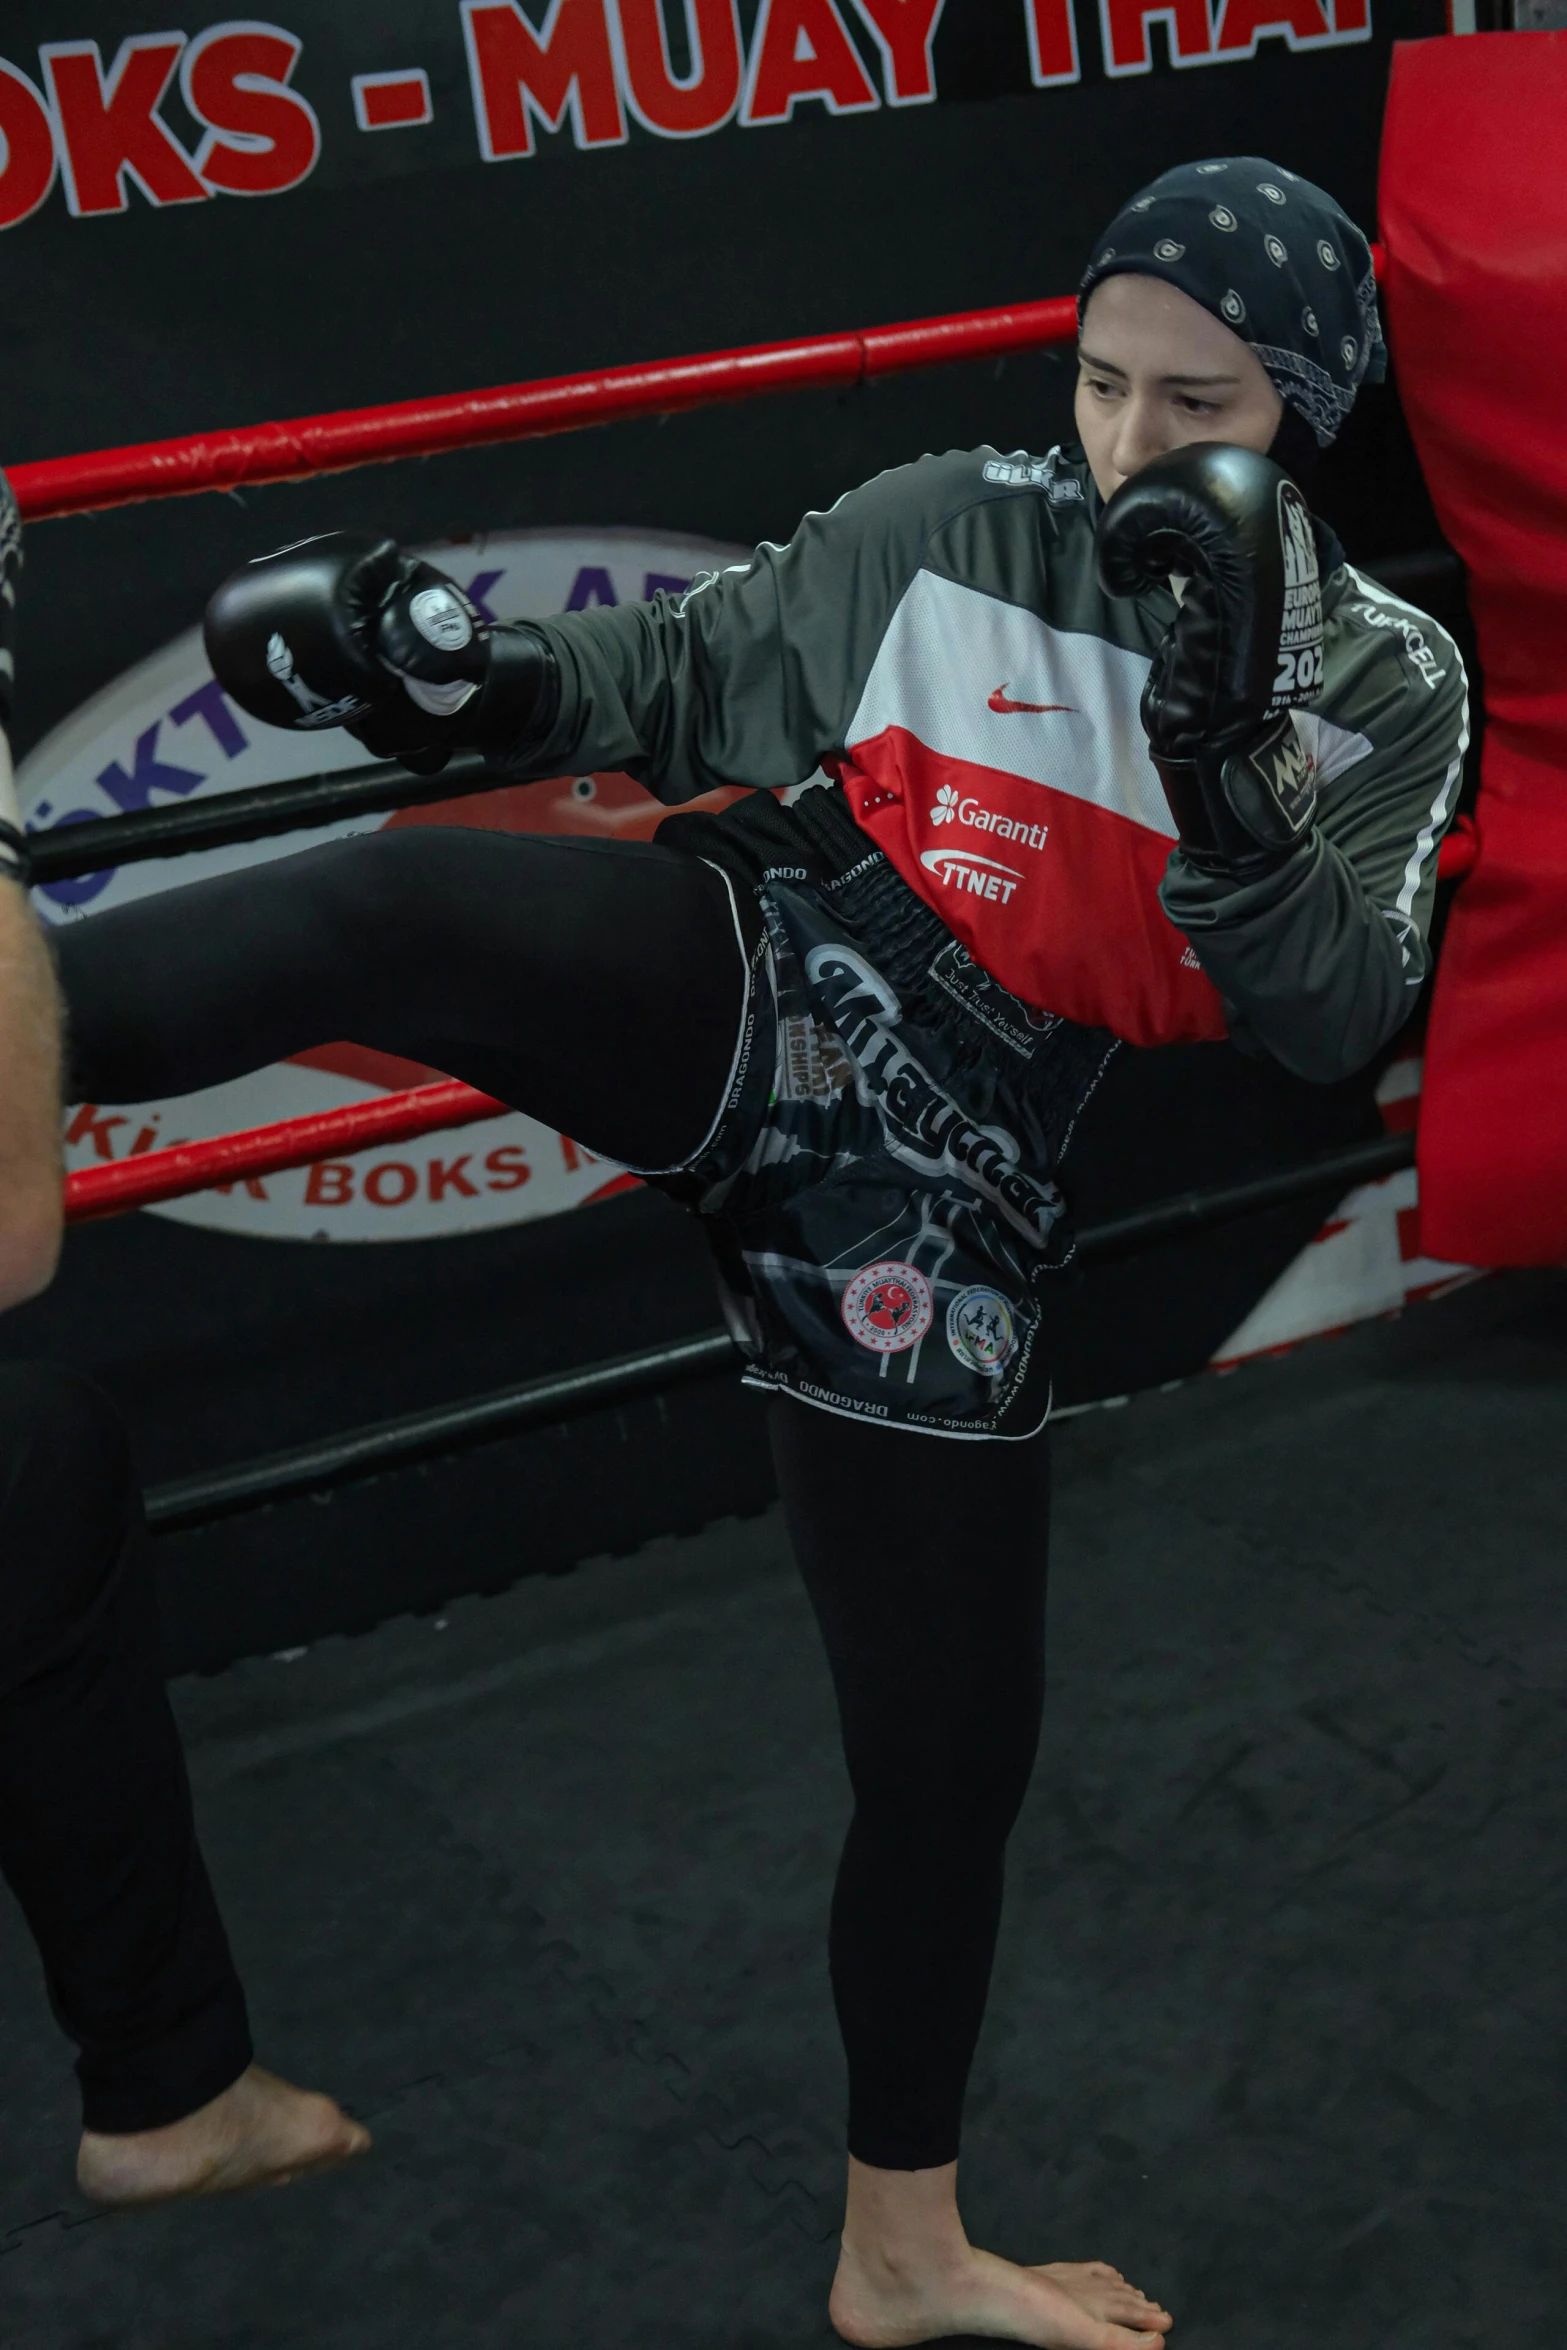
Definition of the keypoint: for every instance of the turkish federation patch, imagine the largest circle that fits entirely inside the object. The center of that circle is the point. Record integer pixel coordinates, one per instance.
(888, 1307)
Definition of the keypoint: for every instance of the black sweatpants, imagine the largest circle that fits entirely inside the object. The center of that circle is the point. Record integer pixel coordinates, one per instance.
(96, 1838)
(599, 987)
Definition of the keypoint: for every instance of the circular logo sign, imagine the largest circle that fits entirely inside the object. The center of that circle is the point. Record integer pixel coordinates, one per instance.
(165, 732)
(888, 1307)
(982, 1331)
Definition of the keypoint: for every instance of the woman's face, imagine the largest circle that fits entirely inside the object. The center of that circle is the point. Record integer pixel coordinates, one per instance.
(1156, 370)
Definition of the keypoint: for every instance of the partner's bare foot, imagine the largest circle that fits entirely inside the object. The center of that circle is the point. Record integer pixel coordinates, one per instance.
(262, 2132)
(1068, 2305)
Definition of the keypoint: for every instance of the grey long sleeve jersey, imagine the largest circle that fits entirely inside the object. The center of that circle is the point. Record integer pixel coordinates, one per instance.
(939, 642)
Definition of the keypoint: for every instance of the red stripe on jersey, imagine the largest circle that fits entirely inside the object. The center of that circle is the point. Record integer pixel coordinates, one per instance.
(1038, 885)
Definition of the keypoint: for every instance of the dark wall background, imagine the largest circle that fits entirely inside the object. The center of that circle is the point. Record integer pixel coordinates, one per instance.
(405, 265)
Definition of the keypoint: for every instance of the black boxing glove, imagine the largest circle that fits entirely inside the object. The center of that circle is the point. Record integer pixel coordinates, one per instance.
(15, 863)
(1244, 649)
(346, 630)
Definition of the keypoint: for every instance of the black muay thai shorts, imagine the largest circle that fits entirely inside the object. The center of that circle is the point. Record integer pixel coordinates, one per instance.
(879, 1186)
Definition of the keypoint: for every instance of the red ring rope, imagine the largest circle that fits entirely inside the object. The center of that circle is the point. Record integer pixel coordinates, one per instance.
(345, 437)
(305, 445)
(268, 1150)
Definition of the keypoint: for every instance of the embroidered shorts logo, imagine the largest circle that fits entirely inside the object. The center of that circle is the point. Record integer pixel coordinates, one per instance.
(888, 1307)
(922, 1124)
(981, 1331)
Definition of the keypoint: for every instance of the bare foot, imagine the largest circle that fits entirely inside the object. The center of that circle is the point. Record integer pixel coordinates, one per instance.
(1103, 2291)
(1069, 2305)
(908, 2273)
(262, 2132)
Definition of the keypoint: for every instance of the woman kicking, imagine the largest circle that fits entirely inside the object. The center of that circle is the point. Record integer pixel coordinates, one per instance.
(1068, 806)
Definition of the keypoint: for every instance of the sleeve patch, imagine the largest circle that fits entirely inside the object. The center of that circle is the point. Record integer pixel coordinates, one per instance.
(1020, 471)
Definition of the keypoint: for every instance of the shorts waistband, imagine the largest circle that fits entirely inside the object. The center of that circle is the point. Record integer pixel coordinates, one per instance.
(812, 838)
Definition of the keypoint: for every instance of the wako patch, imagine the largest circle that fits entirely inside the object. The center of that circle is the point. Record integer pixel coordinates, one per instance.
(888, 1307)
(981, 1331)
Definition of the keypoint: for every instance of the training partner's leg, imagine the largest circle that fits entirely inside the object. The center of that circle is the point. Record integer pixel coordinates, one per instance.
(597, 985)
(936, 1644)
(96, 1836)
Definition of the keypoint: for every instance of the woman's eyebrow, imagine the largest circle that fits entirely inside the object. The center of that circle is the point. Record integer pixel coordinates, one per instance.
(1182, 382)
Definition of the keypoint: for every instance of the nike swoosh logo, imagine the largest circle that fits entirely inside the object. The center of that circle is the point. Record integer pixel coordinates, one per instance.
(1004, 708)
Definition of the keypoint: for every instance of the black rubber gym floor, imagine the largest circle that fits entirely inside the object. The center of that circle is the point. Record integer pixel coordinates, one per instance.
(539, 1889)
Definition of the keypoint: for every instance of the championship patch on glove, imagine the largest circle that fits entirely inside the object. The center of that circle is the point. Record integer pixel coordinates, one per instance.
(1300, 635)
(1272, 786)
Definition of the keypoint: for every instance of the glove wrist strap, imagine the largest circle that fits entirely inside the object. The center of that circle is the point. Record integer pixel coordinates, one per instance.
(1183, 783)
(515, 708)
(506, 718)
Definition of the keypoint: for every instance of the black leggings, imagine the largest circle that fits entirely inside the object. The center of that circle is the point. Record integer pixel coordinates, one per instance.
(925, 1562)
(596, 985)
(96, 1839)
(599, 987)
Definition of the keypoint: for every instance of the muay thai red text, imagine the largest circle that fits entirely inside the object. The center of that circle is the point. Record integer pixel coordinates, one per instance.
(237, 108)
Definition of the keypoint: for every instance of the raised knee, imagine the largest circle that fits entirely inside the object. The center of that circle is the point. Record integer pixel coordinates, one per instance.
(374, 890)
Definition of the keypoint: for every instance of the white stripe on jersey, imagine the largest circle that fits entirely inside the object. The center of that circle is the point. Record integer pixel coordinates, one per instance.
(1408, 618)
(1425, 840)
(992, 685)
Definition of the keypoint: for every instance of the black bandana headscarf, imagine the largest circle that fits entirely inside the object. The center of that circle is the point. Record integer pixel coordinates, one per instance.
(1276, 261)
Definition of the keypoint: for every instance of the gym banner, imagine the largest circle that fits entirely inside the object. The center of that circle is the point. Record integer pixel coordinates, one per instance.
(174, 119)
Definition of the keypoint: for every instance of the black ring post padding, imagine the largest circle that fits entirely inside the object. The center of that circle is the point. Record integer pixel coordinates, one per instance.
(1188, 1211)
(417, 1436)
(67, 852)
